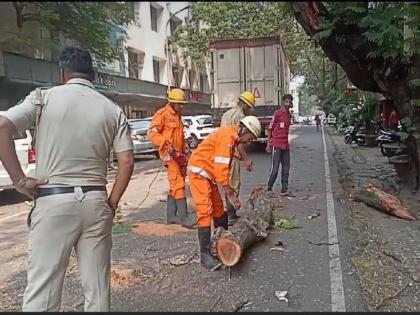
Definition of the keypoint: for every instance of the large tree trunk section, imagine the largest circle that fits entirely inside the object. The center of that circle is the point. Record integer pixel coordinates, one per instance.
(383, 201)
(251, 228)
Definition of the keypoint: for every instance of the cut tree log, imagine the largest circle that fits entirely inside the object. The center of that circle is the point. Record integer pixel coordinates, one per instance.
(376, 198)
(251, 228)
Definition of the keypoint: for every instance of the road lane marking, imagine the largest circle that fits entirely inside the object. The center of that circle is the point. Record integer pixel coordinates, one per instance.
(13, 216)
(338, 303)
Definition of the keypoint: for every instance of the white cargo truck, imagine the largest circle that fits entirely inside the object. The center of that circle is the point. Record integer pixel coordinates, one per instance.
(258, 65)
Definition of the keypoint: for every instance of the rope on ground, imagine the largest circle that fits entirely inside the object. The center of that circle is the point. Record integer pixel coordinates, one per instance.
(147, 194)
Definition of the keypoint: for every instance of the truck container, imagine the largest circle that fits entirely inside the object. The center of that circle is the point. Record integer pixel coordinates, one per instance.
(257, 65)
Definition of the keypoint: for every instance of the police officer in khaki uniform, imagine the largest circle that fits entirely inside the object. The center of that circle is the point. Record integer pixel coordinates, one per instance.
(76, 130)
(244, 107)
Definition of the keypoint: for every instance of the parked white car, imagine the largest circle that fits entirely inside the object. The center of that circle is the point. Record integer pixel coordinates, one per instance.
(331, 119)
(26, 156)
(197, 128)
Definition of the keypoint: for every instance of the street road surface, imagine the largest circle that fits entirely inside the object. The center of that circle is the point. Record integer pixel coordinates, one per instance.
(315, 266)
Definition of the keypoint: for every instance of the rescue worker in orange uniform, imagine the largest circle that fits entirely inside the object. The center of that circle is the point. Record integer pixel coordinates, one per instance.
(208, 166)
(167, 132)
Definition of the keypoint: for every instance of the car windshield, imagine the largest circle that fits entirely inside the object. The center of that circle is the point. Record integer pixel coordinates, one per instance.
(205, 121)
(139, 124)
(20, 135)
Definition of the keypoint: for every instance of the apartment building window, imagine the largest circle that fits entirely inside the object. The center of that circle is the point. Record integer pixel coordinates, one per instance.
(202, 80)
(154, 17)
(135, 63)
(156, 70)
(132, 10)
(192, 78)
(177, 75)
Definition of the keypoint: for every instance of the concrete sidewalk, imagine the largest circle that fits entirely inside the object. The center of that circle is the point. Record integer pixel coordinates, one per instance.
(390, 259)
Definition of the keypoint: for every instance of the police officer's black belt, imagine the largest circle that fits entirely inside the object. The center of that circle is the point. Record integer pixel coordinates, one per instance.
(42, 192)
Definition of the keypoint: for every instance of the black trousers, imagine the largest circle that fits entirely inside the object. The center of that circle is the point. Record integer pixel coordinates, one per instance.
(279, 156)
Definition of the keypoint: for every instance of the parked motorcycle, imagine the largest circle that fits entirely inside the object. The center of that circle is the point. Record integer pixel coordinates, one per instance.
(355, 135)
(391, 142)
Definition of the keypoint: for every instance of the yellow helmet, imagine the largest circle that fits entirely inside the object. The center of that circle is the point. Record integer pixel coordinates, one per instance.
(248, 98)
(177, 96)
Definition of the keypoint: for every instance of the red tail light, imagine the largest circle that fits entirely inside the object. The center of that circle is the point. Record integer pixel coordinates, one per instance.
(31, 156)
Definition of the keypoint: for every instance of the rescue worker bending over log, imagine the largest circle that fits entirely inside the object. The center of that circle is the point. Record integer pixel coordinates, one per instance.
(208, 166)
(244, 107)
(167, 132)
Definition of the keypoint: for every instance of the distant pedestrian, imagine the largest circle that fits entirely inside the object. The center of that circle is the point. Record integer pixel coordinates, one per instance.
(394, 120)
(317, 122)
(76, 130)
(278, 144)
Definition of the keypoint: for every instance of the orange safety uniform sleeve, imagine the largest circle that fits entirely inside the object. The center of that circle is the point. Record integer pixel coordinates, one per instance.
(223, 154)
(155, 129)
(207, 199)
(176, 180)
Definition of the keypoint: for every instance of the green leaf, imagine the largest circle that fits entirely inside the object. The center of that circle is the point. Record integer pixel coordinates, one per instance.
(121, 228)
(321, 35)
(285, 224)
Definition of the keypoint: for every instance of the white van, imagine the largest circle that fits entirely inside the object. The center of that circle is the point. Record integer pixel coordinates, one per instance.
(26, 156)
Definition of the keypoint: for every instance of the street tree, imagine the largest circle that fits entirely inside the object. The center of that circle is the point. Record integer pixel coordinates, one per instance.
(91, 25)
(378, 46)
(376, 43)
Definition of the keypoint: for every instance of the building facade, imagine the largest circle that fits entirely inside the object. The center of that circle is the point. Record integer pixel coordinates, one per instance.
(138, 81)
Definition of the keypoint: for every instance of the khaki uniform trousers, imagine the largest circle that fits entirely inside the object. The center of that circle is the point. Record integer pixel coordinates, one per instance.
(235, 175)
(57, 224)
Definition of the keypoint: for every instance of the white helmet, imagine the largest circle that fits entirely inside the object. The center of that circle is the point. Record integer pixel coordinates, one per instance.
(253, 125)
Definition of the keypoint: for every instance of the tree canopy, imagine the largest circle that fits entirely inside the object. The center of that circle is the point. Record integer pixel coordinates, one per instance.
(376, 43)
(89, 24)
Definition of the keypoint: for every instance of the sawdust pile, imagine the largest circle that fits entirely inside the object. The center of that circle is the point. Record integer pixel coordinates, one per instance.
(124, 276)
(157, 229)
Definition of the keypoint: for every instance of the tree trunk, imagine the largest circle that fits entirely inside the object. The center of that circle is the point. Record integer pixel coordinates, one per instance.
(19, 16)
(373, 197)
(253, 227)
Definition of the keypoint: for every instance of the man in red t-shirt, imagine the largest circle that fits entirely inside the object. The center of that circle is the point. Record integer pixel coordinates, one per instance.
(278, 144)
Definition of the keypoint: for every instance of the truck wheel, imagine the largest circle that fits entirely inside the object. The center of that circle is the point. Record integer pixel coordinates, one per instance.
(193, 142)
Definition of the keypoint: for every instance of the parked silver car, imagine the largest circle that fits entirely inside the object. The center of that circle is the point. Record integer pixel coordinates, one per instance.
(26, 156)
(142, 144)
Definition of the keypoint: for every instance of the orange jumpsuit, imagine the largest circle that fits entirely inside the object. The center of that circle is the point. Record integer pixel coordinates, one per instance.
(209, 166)
(167, 126)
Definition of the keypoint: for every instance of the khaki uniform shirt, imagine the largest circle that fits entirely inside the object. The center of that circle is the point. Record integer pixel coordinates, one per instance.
(77, 129)
(232, 117)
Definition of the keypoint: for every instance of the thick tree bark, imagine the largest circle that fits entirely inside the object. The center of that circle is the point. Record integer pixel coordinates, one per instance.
(390, 78)
(383, 201)
(253, 227)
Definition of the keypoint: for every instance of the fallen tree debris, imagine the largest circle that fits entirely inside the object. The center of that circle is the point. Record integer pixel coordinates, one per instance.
(253, 227)
(387, 203)
(321, 243)
(181, 260)
(281, 295)
(239, 305)
(381, 303)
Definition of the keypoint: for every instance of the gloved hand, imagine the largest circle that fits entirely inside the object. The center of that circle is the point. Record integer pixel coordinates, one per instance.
(170, 148)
